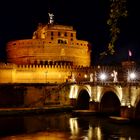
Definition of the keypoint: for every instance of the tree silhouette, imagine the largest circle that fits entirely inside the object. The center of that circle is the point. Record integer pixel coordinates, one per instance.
(117, 10)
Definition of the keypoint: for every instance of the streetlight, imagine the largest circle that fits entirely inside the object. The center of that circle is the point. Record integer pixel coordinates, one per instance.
(102, 76)
(131, 76)
(85, 75)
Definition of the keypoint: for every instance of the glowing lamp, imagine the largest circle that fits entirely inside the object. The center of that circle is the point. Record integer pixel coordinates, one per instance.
(103, 76)
(85, 76)
(132, 76)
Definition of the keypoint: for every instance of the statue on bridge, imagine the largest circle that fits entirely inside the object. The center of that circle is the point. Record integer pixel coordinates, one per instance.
(91, 77)
(73, 77)
(95, 76)
(114, 75)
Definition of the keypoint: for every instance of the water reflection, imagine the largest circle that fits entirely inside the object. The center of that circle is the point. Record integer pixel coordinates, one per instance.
(80, 127)
(74, 128)
(65, 127)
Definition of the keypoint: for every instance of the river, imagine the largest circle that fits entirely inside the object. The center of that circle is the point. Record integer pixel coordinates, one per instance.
(64, 126)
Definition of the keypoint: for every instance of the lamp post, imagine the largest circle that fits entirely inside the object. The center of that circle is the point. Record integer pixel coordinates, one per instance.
(130, 79)
(103, 77)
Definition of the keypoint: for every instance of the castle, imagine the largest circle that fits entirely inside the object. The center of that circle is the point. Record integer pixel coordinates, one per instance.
(53, 55)
(37, 68)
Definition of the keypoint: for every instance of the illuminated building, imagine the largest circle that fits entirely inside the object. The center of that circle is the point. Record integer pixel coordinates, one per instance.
(54, 55)
(37, 67)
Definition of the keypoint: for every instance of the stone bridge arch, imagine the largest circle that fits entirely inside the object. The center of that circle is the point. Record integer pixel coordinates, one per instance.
(110, 101)
(117, 91)
(83, 97)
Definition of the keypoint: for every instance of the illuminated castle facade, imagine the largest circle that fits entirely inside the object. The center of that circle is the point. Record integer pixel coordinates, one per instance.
(54, 54)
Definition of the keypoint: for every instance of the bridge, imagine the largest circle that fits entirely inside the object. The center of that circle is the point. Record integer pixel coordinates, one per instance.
(109, 91)
(100, 89)
(111, 97)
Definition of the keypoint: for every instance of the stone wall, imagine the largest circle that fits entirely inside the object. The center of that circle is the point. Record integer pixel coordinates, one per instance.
(34, 95)
(10, 73)
(32, 51)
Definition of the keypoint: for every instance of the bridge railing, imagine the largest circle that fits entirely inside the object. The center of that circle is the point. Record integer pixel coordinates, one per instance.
(108, 75)
(108, 83)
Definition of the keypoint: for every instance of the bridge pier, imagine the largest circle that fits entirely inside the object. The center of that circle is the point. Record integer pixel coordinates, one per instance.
(94, 106)
(73, 102)
(127, 112)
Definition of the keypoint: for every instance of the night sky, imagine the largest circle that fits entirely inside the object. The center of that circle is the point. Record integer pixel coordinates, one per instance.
(19, 18)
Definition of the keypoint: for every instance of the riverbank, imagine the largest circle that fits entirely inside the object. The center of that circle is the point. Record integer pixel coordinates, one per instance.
(35, 110)
(84, 112)
(119, 120)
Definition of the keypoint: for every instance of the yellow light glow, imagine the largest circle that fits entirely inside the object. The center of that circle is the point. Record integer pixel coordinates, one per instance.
(74, 126)
(98, 129)
(90, 133)
(73, 91)
(85, 75)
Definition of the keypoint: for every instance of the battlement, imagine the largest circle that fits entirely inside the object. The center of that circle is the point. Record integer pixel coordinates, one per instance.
(7, 66)
(56, 66)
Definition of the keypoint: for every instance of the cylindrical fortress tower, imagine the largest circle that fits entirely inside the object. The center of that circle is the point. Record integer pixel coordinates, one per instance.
(50, 44)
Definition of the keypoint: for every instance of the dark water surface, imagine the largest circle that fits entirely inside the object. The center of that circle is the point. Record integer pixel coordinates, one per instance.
(65, 127)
